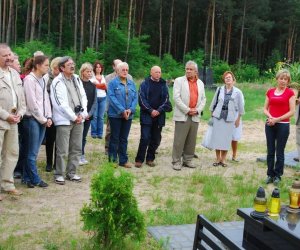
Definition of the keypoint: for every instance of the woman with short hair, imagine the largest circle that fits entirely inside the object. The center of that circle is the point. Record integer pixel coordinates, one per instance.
(226, 108)
(122, 97)
(279, 107)
(85, 74)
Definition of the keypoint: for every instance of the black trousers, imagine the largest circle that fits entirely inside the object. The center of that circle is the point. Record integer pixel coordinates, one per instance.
(50, 141)
(149, 142)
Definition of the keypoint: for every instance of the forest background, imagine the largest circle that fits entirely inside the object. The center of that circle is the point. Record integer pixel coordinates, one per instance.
(253, 38)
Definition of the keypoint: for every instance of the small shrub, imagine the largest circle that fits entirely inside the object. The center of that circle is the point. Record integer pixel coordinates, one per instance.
(90, 55)
(171, 68)
(246, 73)
(112, 214)
(26, 50)
(219, 67)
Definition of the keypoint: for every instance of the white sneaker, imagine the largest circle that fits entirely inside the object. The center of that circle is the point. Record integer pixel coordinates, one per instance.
(60, 180)
(74, 177)
(83, 161)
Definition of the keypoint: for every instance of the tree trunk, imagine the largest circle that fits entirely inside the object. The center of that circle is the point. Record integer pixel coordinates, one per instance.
(212, 32)
(49, 19)
(103, 23)
(160, 29)
(118, 13)
(290, 41)
(33, 13)
(242, 33)
(61, 18)
(98, 27)
(129, 29)
(40, 19)
(186, 29)
(8, 32)
(114, 10)
(95, 23)
(220, 37)
(15, 25)
(133, 19)
(82, 27)
(75, 25)
(227, 42)
(3, 20)
(91, 22)
(141, 17)
(206, 30)
(171, 27)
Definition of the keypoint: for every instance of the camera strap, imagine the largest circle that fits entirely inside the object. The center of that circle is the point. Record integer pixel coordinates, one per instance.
(71, 93)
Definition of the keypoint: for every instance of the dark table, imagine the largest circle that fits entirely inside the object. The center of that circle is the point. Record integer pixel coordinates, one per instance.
(282, 232)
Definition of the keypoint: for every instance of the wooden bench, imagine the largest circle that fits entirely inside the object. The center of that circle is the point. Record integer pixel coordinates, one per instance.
(202, 239)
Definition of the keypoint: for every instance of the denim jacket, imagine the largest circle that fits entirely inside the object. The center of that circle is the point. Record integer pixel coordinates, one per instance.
(121, 97)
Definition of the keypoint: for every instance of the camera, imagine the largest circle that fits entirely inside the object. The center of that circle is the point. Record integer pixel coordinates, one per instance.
(78, 109)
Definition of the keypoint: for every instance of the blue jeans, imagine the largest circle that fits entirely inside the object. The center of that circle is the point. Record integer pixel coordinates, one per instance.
(118, 139)
(34, 133)
(98, 118)
(277, 137)
(150, 140)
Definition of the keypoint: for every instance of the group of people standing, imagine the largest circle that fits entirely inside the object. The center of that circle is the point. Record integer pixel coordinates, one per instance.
(63, 105)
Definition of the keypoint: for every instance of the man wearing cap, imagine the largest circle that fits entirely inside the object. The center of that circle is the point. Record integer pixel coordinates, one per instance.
(69, 111)
(12, 108)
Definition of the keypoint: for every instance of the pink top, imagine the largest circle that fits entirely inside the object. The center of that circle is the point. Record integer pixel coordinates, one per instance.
(279, 104)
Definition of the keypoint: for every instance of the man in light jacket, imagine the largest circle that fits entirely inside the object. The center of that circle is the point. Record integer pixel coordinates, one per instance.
(189, 99)
(12, 108)
(69, 111)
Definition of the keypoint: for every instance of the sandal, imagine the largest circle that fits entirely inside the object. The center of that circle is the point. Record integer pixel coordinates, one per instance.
(224, 165)
(215, 164)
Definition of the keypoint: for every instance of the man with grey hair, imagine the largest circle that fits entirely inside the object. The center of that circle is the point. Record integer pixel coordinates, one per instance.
(12, 108)
(69, 103)
(189, 99)
(108, 79)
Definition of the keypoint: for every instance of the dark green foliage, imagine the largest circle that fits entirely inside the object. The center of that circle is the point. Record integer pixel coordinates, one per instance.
(112, 214)
(90, 55)
(246, 72)
(219, 67)
(171, 68)
(196, 55)
(26, 50)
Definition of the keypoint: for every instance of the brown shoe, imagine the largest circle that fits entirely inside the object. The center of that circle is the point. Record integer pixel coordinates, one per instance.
(150, 163)
(126, 165)
(138, 164)
(14, 192)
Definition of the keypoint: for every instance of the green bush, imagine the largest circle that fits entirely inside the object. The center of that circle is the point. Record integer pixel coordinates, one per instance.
(196, 56)
(26, 50)
(171, 68)
(90, 55)
(112, 215)
(219, 67)
(246, 73)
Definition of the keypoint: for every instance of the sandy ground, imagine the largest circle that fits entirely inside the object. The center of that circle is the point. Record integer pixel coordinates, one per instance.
(55, 209)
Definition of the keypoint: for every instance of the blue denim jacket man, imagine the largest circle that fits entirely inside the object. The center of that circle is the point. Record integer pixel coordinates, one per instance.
(122, 98)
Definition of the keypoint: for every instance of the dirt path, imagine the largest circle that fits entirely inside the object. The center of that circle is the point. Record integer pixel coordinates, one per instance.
(55, 210)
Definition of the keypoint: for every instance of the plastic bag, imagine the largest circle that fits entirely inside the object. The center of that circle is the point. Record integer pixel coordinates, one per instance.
(206, 142)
